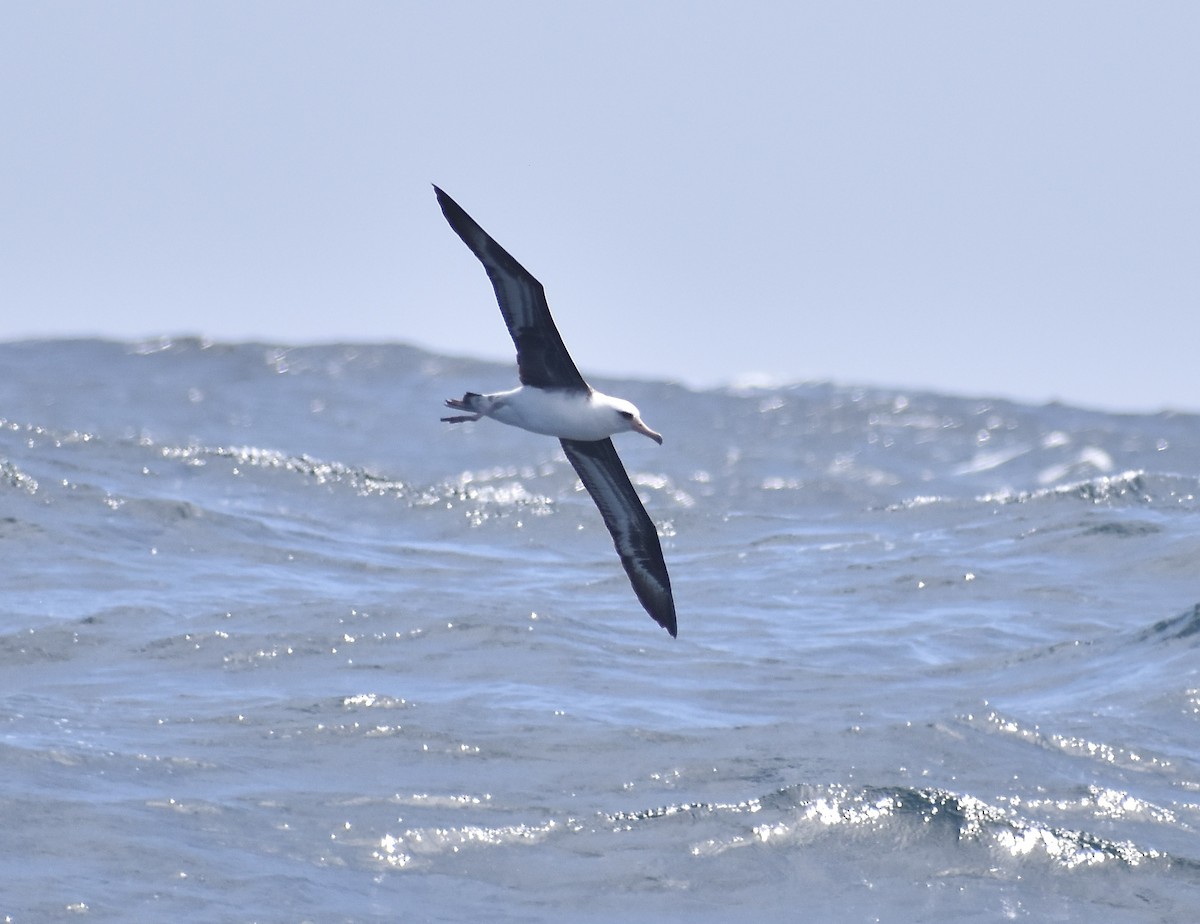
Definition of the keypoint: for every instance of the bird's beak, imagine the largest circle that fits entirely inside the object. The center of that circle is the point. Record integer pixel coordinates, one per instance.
(646, 431)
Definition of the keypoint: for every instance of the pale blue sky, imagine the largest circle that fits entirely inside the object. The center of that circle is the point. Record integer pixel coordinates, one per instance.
(981, 198)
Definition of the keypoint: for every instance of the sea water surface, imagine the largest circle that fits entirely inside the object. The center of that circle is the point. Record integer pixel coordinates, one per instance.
(278, 645)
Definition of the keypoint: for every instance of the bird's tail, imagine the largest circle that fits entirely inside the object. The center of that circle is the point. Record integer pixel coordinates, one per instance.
(466, 403)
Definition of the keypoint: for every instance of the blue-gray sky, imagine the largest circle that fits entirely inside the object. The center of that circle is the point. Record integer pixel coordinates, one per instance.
(981, 198)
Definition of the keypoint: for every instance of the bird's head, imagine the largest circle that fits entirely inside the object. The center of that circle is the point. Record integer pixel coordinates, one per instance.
(632, 420)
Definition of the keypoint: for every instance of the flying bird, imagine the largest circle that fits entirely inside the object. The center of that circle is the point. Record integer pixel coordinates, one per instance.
(555, 400)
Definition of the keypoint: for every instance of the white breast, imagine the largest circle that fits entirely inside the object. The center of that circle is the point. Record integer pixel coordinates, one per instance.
(572, 415)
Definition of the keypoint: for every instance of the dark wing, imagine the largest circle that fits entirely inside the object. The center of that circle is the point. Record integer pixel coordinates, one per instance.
(633, 531)
(542, 360)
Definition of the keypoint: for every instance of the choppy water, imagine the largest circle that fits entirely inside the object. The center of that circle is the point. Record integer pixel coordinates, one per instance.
(277, 645)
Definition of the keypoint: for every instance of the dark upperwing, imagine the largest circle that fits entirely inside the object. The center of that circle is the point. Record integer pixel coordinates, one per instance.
(542, 360)
(633, 531)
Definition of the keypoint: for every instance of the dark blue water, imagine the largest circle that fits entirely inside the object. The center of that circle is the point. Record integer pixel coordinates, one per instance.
(278, 645)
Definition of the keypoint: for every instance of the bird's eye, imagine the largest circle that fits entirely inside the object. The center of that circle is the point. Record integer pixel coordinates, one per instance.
(628, 415)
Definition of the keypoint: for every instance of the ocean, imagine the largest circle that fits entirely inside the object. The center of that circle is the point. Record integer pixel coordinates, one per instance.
(276, 644)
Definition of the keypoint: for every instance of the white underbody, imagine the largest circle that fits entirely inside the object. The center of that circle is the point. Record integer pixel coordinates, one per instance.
(565, 413)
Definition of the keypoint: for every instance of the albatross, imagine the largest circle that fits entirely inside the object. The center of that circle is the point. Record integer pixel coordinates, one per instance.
(555, 400)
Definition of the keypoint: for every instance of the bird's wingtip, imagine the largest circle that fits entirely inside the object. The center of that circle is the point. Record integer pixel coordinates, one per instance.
(453, 211)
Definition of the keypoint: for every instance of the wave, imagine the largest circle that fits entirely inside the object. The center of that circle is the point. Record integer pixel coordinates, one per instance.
(872, 820)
